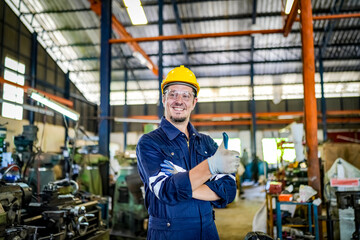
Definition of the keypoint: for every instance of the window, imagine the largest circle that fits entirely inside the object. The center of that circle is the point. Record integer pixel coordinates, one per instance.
(233, 144)
(276, 150)
(14, 72)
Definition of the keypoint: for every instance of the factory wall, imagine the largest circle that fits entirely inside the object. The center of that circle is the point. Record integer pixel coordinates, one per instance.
(50, 137)
(16, 43)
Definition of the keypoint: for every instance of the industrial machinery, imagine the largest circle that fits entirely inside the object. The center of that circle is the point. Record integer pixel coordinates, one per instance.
(36, 205)
(2, 143)
(129, 216)
(24, 144)
(351, 199)
(55, 214)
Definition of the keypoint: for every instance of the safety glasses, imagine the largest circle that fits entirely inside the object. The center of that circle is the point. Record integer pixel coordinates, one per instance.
(173, 94)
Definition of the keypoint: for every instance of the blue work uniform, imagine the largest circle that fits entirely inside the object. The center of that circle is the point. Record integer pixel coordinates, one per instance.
(173, 213)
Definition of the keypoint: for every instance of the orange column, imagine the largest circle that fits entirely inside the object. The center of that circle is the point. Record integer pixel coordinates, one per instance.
(310, 110)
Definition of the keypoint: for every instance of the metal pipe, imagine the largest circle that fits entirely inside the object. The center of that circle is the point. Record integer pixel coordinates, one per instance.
(196, 35)
(310, 111)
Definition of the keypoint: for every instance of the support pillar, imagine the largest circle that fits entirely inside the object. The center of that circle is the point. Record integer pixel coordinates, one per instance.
(323, 99)
(160, 76)
(310, 110)
(67, 96)
(105, 71)
(255, 169)
(125, 124)
(105, 78)
(33, 68)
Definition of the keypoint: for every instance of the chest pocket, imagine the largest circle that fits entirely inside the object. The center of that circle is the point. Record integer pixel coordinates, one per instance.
(172, 154)
(204, 152)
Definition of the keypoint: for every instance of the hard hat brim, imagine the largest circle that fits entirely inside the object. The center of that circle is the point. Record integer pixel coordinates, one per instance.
(180, 83)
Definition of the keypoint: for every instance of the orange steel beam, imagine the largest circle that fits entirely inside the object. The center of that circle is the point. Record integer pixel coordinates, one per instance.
(196, 35)
(51, 96)
(343, 112)
(220, 115)
(228, 117)
(310, 111)
(270, 122)
(244, 122)
(120, 29)
(291, 18)
(334, 16)
(343, 120)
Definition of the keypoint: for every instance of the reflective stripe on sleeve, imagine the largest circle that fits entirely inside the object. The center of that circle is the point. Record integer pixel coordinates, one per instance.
(218, 176)
(159, 180)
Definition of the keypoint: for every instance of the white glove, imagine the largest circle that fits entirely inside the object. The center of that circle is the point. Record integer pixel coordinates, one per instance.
(224, 161)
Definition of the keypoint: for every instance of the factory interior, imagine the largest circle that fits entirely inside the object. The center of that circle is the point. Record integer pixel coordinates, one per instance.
(81, 84)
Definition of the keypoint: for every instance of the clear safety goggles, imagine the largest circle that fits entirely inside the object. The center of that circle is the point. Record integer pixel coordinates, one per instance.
(173, 94)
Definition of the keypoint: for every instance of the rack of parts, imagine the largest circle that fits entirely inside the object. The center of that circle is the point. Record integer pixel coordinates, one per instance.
(312, 216)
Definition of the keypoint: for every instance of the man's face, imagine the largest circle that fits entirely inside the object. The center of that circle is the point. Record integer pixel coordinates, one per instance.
(178, 101)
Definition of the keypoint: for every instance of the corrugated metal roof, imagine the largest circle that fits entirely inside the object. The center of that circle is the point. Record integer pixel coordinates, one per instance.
(70, 30)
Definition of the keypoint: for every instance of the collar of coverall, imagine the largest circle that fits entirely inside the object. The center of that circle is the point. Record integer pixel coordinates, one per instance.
(172, 132)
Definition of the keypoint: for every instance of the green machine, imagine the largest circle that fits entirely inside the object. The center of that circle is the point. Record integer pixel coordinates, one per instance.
(129, 215)
(2, 143)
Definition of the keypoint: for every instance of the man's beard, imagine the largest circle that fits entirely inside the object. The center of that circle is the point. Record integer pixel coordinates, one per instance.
(177, 120)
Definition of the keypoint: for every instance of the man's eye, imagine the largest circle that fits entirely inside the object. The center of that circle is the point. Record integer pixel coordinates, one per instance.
(171, 94)
(186, 96)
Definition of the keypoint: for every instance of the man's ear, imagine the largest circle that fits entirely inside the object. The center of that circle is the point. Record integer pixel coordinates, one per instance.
(195, 101)
(163, 99)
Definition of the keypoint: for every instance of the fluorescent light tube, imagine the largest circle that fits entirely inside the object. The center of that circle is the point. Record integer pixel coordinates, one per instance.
(136, 12)
(288, 6)
(54, 105)
(132, 3)
(135, 120)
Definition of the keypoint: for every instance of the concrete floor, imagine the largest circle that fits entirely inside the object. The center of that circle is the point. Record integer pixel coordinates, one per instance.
(235, 221)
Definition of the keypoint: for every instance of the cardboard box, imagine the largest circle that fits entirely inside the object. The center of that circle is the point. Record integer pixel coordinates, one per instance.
(275, 187)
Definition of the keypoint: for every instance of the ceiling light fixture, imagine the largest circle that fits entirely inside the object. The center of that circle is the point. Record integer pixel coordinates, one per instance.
(288, 6)
(136, 12)
(136, 120)
(53, 105)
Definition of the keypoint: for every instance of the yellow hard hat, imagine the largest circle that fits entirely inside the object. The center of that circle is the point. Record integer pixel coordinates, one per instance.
(180, 75)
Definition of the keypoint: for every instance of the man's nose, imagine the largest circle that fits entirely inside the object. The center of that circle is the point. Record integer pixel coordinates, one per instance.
(177, 96)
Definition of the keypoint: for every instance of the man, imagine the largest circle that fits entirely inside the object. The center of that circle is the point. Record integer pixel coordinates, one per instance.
(183, 171)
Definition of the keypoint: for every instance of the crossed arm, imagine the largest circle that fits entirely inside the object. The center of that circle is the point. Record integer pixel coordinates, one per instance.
(198, 176)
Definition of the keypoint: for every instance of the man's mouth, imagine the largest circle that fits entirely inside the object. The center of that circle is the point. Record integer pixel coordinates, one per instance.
(178, 109)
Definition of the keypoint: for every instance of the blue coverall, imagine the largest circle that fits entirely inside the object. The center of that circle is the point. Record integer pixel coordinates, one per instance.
(173, 213)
